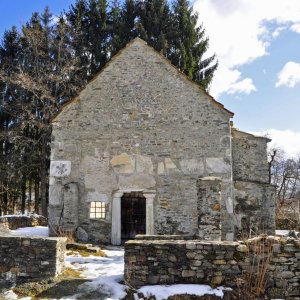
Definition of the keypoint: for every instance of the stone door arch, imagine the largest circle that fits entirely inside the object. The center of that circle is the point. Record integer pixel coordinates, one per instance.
(116, 214)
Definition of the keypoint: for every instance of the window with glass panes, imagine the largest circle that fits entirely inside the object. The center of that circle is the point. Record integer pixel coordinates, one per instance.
(97, 210)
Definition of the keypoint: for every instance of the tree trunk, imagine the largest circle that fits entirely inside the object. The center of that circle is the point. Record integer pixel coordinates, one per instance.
(29, 195)
(23, 194)
(37, 195)
(44, 178)
(5, 201)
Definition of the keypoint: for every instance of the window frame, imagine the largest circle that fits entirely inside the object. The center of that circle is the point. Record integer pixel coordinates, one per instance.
(97, 210)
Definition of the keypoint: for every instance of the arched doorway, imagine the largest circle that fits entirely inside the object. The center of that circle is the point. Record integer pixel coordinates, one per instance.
(133, 215)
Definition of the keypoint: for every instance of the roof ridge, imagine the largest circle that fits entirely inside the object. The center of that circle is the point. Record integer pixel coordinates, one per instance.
(130, 43)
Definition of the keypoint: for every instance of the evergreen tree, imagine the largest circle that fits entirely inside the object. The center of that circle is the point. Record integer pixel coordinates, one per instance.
(44, 64)
(188, 45)
(121, 24)
(114, 28)
(90, 34)
(45, 74)
(154, 23)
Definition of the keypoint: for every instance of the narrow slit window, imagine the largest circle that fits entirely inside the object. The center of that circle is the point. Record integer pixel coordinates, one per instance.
(97, 210)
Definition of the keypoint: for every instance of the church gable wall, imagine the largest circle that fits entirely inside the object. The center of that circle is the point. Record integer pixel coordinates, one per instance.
(141, 125)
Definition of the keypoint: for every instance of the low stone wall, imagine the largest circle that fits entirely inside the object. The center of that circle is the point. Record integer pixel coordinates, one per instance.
(30, 258)
(216, 263)
(17, 221)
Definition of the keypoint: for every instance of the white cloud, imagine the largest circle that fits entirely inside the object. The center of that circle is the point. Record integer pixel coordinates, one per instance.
(277, 31)
(287, 140)
(239, 33)
(243, 86)
(296, 27)
(289, 75)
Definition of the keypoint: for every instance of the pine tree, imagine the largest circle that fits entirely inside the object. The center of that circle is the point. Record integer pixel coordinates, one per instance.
(154, 23)
(44, 64)
(90, 34)
(114, 28)
(128, 21)
(45, 74)
(188, 45)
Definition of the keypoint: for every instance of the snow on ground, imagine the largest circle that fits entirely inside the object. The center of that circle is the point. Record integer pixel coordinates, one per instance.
(105, 273)
(287, 232)
(21, 215)
(282, 232)
(162, 292)
(31, 231)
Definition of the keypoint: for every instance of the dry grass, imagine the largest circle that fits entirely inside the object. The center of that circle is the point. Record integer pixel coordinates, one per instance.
(252, 285)
(85, 253)
(70, 273)
(70, 235)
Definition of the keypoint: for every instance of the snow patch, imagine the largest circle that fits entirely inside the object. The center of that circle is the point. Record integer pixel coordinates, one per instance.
(31, 231)
(162, 292)
(105, 273)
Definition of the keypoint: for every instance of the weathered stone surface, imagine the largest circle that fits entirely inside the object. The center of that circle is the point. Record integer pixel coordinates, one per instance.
(192, 166)
(215, 263)
(209, 203)
(60, 168)
(55, 193)
(141, 125)
(136, 181)
(4, 229)
(123, 163)
(254, 207)
(160, 168)
(217, 280)
(242, 248)
(81, 235)
(17, 221)
(30, 258)
(170, 166)
(96, 196)
(249, 155)
(216, 165)
(144, 164)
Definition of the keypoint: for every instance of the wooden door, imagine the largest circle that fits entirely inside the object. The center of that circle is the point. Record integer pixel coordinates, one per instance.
(133, 215)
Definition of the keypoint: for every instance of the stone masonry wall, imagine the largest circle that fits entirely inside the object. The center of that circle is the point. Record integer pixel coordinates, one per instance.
(30, 258)
(17, 221)
(216, 263)
(249, 157)
(254, 208)
(209, 208)
(140, 125)
(254, 197)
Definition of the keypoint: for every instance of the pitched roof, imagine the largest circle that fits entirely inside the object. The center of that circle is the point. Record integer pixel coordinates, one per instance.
(130, 44)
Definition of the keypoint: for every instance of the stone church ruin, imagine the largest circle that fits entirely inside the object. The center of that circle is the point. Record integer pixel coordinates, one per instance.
(144, 150)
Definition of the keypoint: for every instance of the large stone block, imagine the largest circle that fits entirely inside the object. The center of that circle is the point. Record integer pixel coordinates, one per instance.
(217, 165)
(60, 168)
(192, 166)
(170, 166)
(144, 164)
(55, 194)
(123, 163)
(136, 181)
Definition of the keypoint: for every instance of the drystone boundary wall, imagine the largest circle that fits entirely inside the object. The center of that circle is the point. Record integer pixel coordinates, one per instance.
(30, 258)
(17, 221)
(216, 263)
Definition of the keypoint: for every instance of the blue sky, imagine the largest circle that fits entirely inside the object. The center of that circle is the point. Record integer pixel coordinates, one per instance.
(258, 47)
(257, 43)
(17, 12)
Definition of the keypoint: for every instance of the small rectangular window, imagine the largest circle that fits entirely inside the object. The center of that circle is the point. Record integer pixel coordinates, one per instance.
(97, 210)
